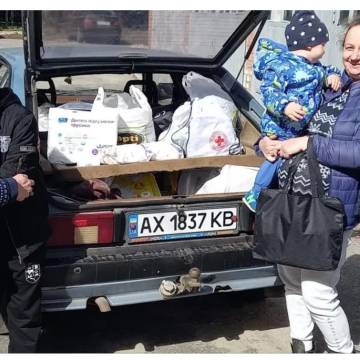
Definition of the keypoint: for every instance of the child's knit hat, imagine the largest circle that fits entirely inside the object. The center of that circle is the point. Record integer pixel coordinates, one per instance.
(305, 30)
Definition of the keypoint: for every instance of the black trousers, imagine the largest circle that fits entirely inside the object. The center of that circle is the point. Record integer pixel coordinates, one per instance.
(20, 295)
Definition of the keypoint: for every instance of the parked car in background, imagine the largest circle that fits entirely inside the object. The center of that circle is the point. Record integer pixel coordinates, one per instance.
(103, 27)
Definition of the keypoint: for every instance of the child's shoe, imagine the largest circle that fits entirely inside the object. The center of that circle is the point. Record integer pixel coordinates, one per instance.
(250, 200)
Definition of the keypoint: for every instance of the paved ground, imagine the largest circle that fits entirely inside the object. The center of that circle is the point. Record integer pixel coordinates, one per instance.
(224, 323)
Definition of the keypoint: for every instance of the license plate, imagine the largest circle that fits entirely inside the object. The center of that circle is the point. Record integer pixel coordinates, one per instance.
(168, 225)
(103, 23)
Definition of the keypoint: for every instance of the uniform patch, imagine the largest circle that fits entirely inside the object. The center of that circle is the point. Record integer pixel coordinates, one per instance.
(32, 273)
(28, 149)
(4, 143)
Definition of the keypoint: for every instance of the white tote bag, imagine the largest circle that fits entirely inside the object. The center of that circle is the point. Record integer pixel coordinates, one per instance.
(211, 130)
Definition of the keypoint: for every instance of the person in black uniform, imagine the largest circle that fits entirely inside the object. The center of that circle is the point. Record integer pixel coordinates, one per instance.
(24, 228)
(19, 188)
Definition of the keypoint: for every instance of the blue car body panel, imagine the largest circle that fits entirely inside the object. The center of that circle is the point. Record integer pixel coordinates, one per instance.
(15, 58)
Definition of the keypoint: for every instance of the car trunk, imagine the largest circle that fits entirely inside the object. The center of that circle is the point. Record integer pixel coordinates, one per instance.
(146, 221)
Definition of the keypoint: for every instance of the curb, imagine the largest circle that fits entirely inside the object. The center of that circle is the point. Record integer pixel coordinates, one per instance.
(10, 34)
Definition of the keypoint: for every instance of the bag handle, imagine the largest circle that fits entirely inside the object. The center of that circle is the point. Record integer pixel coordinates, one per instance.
(140, 98)
(317, 187)
(292, 170)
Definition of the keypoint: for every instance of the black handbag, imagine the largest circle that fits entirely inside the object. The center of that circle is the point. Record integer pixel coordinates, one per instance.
(304, 231)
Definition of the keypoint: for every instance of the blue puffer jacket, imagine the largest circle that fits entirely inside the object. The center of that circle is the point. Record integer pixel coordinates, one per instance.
(341, 153)
(286, 78)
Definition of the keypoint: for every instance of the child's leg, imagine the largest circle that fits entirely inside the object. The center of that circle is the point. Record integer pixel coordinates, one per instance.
(263, 179)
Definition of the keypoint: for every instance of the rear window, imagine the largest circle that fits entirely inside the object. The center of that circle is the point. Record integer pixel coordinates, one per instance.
(155, 33)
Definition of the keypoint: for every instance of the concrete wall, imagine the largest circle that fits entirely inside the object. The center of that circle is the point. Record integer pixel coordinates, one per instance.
(197, 33)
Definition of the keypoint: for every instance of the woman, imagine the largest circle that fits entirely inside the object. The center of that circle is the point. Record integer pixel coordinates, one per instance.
(17, 188)
(311, 296)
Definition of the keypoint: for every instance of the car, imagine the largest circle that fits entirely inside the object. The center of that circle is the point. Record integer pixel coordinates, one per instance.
(112, 269)
(96, 27)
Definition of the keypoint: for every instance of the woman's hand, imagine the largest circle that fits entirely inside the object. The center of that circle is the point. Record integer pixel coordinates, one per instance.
(293, 146)
(270, 147)
(25, 186)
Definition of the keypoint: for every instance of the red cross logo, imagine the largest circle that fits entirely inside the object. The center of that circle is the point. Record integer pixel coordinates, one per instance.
(219, 141)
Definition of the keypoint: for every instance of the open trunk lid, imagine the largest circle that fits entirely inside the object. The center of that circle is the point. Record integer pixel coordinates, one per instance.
(161, 38)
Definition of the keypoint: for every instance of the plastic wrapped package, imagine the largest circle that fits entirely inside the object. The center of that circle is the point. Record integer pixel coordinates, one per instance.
(136, 186)
(228, 179)
(43, 116)
(190, 181)
(231, 179)
(132, 153)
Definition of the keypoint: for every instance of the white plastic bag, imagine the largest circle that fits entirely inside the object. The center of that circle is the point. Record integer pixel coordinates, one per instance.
(43, 116)
(190, 181)
(232, 178)
(198, 86)
(178, 132)
(163, 151)
(135, 124)
(125, 154)
(131, 153)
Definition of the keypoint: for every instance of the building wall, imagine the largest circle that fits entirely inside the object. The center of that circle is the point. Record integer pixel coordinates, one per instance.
(196, 33)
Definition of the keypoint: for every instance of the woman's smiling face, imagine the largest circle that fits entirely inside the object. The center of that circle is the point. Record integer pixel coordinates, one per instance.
(351, 53)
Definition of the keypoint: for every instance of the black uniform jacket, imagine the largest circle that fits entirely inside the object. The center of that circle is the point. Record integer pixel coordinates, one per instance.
(23, 223)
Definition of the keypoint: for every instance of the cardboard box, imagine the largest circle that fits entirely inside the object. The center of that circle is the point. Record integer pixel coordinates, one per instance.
(77, 137)
(73, 173)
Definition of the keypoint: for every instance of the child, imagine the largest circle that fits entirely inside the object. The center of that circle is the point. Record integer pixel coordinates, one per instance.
(292, 83)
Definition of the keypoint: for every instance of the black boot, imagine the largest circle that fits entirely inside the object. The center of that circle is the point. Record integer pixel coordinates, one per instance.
(297, 347)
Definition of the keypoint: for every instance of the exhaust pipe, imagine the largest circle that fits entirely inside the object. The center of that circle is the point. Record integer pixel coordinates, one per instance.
(102, 303)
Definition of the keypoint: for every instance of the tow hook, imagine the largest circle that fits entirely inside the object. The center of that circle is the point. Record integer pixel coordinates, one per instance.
(102, 303)
(187, 284)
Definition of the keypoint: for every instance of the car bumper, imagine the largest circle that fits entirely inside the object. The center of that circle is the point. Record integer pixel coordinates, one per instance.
(147, 290)
(133, 274)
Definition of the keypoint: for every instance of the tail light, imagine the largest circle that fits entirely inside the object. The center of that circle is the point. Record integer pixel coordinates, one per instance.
(89, 23)
(115, 23)
(83, 228)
